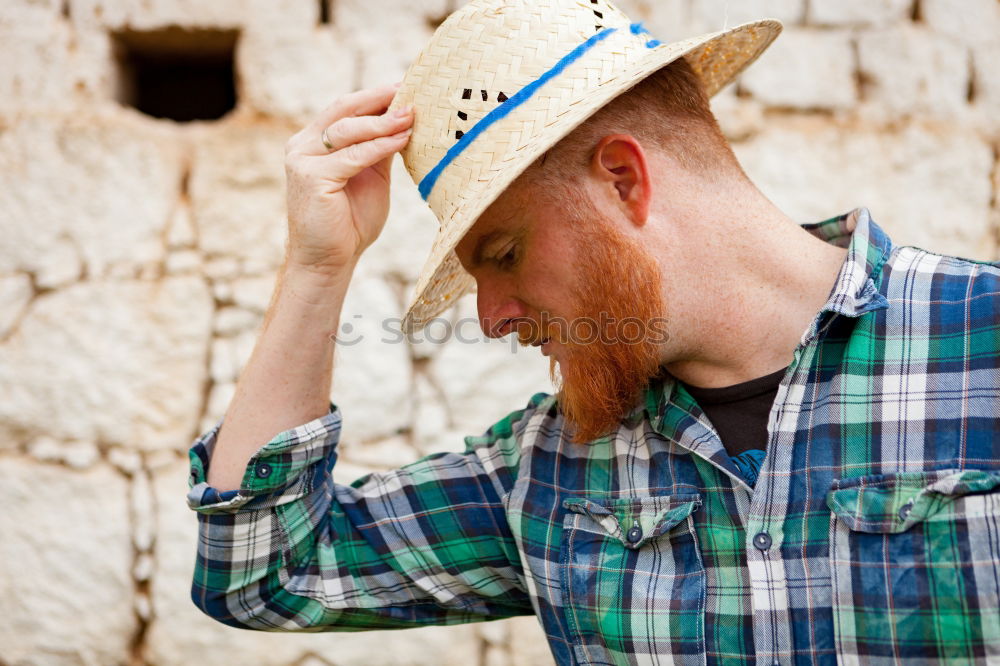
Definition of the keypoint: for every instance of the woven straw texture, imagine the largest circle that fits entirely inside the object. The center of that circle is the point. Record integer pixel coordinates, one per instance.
(489, 51)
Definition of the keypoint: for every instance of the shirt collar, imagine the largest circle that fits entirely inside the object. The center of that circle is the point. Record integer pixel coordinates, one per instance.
(854, 291)
(674, 414)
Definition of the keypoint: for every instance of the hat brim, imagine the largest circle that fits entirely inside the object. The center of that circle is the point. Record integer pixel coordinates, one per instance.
(716, 57)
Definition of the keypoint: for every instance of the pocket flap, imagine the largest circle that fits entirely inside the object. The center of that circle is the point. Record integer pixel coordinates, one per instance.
(893, 503)
(636, 520)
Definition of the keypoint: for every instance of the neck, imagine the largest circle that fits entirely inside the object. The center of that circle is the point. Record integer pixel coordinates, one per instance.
(755, 281)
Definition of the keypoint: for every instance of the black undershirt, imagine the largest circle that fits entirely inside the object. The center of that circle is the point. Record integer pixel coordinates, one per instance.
(739, 412)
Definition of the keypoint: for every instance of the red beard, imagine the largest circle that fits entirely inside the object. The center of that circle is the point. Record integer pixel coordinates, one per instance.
(613, 346)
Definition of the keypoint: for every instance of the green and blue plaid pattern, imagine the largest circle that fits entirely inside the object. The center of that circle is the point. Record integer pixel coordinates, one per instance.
(872, 534)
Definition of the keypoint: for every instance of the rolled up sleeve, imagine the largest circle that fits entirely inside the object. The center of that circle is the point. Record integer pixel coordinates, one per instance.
(291, 550)
(279, 472)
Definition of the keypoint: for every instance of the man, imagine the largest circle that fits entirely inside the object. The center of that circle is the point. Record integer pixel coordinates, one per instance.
(771, 443)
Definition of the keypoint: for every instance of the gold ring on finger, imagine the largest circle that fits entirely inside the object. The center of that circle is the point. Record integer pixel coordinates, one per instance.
(326, 140)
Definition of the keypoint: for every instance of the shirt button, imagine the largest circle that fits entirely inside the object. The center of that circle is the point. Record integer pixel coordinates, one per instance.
(762, 541)
(263, 470)
(904, 510)
(635, 534)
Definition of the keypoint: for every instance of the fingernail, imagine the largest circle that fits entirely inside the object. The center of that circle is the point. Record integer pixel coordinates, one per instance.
(397, 84)
(403, 111)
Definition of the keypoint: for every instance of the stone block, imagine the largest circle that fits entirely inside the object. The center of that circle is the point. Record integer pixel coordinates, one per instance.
(294, 74)
(253, 293)
(969, 22)
(986, 83)
(371, 376)
(48, 65)
(143, 571)
(128, 461)
(738, 117)
(229, 356)
(805, 68)
(63, 265)
(434, 430)
(130, 370)
(258, 265)
(994, 213)
(104, 188)
(65, 591)
(218, 14)
(877, 13)
(79, 454)
(219, 398)
(387, 40)
(710, 15)
(15, 294)
(36, 68)
(530, 647)
(495, 656)
(924, 185)
(482, 379)
(385, 454)
(221, 268)
(94, 70)
(207, 641)
(222, 291)
(183, 262)
(231, 321)
(405, 242)
(346, 471)
(908, 69)
(237, 188)
(181, 233)
(666, 20)
(141, 507)
(496, 634)
(25, 14)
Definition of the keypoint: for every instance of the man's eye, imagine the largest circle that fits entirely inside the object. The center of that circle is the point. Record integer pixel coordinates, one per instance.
(508, 258)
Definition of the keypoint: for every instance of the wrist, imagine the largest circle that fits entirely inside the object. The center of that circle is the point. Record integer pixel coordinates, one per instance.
(315, 276)
(322, 291)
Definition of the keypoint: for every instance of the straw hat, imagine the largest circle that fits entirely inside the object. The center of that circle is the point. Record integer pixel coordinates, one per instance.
(502, 81)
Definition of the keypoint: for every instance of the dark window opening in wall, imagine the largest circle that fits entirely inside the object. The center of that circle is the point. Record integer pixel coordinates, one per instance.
(324, 12)
(178, 74)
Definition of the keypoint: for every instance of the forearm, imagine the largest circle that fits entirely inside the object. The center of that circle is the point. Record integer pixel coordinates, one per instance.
(287, 380)
(294, 551)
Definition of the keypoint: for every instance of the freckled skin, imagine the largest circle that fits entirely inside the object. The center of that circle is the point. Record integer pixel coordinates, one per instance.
(740, 280)
(541, 281)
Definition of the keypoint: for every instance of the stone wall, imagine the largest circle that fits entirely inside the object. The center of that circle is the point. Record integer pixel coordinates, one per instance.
(138, 255)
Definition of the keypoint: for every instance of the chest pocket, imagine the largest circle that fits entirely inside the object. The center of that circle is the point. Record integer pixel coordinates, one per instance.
(915, 560)
(633, 580)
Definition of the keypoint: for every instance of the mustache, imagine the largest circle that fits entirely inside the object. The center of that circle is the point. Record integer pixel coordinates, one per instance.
(530, 334)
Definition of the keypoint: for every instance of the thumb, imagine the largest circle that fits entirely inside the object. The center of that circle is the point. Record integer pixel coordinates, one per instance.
(384, 168)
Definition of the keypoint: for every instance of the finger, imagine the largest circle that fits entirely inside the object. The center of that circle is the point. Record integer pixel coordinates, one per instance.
(349, 131)
(362, 102)
(352, 160)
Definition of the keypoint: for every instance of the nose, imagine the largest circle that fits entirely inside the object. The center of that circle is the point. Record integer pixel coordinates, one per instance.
(499, 310)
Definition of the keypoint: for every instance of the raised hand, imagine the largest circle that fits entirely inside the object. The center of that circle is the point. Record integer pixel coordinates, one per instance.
(337, 170)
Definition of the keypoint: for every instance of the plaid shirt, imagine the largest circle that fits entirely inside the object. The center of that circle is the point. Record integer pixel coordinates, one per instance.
(872, 533)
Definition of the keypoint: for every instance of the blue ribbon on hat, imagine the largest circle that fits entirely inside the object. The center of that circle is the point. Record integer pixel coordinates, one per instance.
(520, 97)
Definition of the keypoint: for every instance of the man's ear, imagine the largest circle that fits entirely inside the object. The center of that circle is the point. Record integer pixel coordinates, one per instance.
(620, 162)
